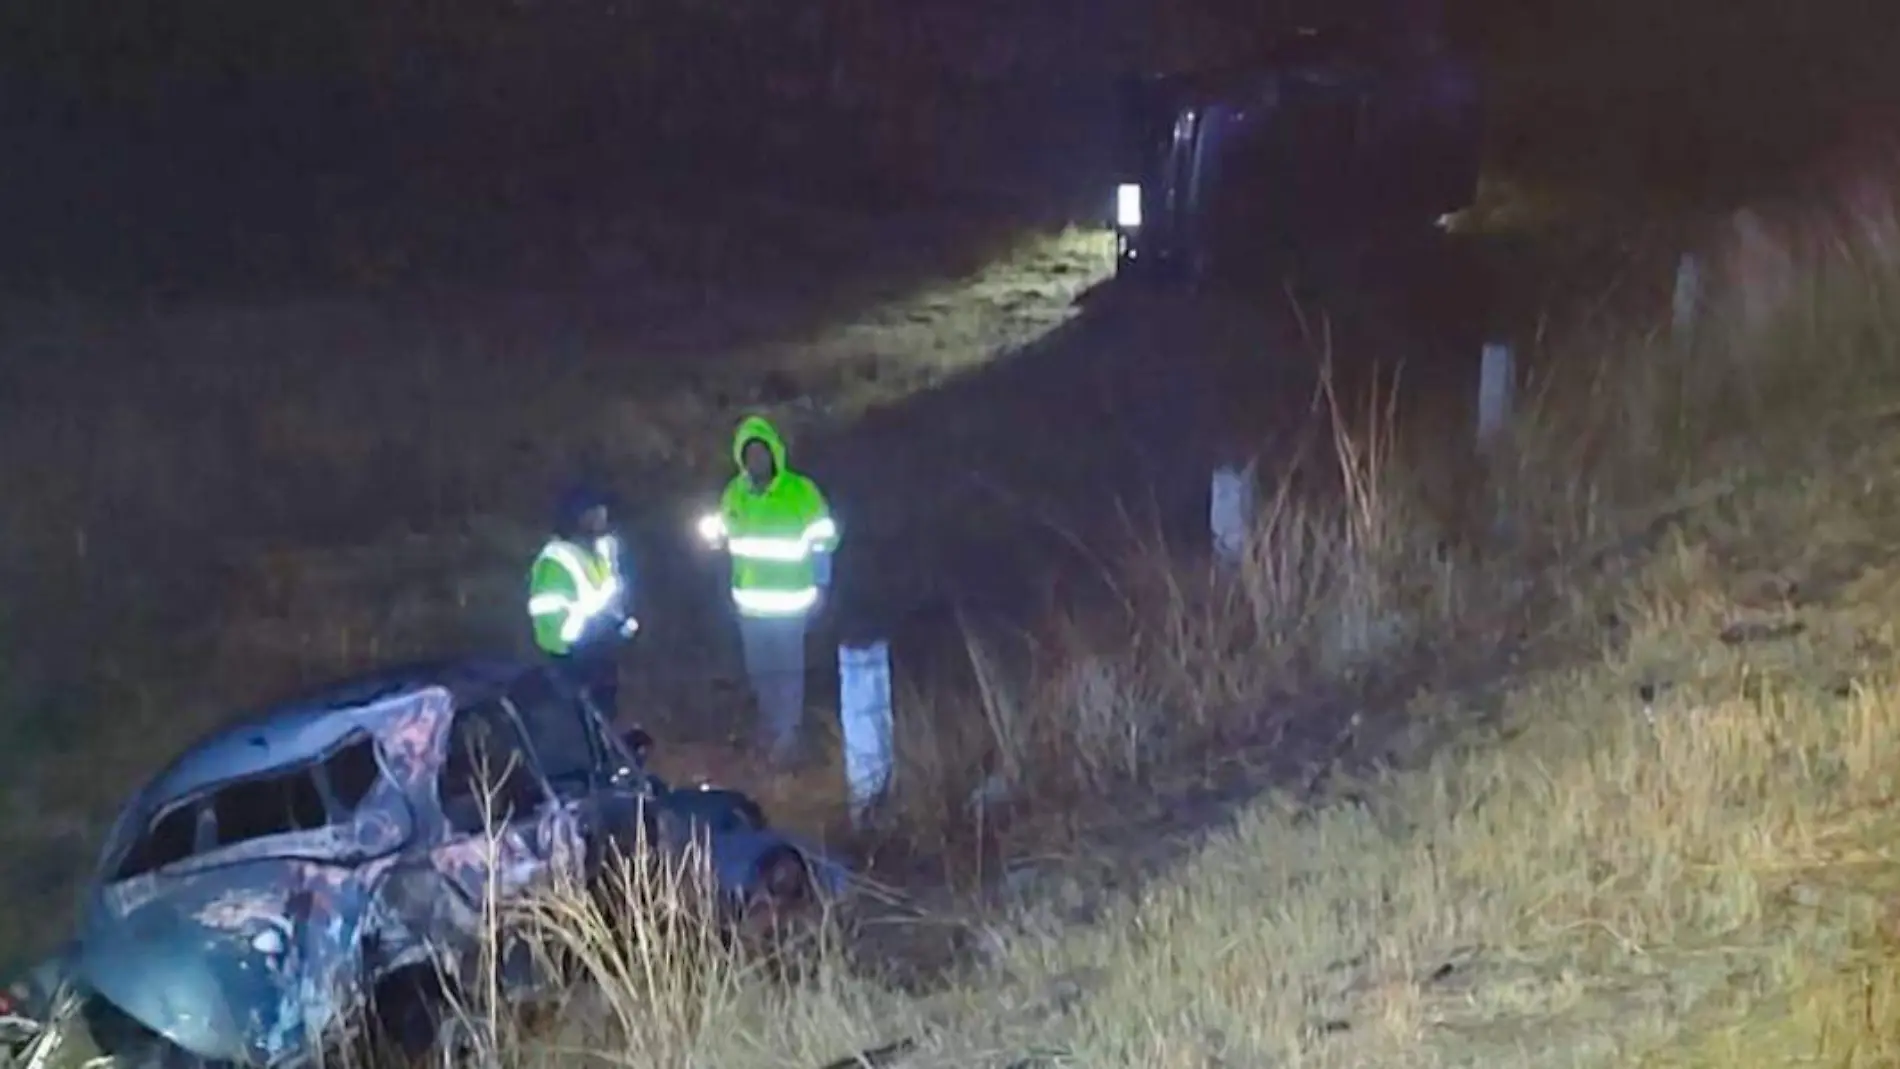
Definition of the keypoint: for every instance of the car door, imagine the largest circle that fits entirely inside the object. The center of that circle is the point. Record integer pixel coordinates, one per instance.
(572, 746)
(227, 922)
(560, 733)
(496, 807)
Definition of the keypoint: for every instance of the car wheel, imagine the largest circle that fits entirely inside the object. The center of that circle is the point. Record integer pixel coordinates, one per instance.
(783, 878)
(782, 889)
(408, 1012)
(720, 808)
(744, 810)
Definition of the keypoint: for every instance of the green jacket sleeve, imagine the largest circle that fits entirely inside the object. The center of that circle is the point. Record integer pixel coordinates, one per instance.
(818, 513)
(729, 503)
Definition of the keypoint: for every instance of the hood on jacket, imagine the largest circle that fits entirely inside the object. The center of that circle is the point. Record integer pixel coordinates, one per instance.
(758, 428)
(575, 500)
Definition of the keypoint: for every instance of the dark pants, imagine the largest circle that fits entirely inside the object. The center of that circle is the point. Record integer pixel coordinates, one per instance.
(774, 649)
(592, 670)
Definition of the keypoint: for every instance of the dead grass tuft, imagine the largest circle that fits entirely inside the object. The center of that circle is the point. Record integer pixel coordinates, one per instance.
(652, 977)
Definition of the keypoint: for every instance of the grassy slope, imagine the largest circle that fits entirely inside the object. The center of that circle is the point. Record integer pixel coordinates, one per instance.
(1658, 832)
(1111, 989)
(1589, 876)
(1582, 873)
(213, 505)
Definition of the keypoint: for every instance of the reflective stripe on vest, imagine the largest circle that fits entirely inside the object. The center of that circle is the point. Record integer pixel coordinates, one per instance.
(774, 602)
(591, 598)
(784, 550)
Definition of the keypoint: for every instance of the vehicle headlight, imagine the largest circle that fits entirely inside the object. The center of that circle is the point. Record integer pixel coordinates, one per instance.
(1128, 205)
(712, 528)
(269, 942)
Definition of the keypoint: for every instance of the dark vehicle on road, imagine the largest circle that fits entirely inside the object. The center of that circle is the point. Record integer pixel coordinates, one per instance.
(1330, 134)
(292, 879)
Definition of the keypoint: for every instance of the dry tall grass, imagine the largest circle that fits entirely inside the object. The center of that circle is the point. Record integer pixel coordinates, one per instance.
(652, 967)
(1658, 834)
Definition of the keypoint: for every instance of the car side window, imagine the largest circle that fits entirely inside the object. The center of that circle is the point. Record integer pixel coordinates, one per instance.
(557, 728)
(302, 797)
(268, 805)
(489, 778)
(170, 839)
(350, 774)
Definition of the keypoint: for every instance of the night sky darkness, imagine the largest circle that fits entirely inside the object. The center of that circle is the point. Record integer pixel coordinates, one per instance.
(213, 143)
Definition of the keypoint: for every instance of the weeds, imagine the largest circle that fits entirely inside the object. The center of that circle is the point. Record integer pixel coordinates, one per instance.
(1644, 839)
(1628, 861)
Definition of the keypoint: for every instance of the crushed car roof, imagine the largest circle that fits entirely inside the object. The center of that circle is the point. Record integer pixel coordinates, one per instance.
(289, 730)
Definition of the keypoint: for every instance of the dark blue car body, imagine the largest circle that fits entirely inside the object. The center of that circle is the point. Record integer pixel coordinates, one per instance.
(252, 897)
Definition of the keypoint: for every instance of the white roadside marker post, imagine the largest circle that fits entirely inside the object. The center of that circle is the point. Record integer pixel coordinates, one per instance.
(1685, 304)
(1497, 382)
(865, 722)
(1230, 515)
(1497, 392)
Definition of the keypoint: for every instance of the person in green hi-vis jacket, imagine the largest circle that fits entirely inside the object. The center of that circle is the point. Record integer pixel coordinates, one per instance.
(777, 528)
(579, 599)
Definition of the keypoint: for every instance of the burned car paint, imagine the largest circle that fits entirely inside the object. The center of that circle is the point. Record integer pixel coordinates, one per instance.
(253, 895)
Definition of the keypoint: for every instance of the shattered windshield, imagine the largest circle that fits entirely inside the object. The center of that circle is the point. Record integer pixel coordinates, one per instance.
(558, 730)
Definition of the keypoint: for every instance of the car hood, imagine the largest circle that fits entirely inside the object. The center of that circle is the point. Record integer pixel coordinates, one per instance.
(215, 962)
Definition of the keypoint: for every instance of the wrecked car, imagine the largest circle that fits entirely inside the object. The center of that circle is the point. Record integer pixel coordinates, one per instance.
(293, 879)
(1334, 129)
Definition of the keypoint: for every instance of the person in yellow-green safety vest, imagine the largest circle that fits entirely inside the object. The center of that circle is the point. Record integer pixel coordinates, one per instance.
(579, 599)
(777, 528)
